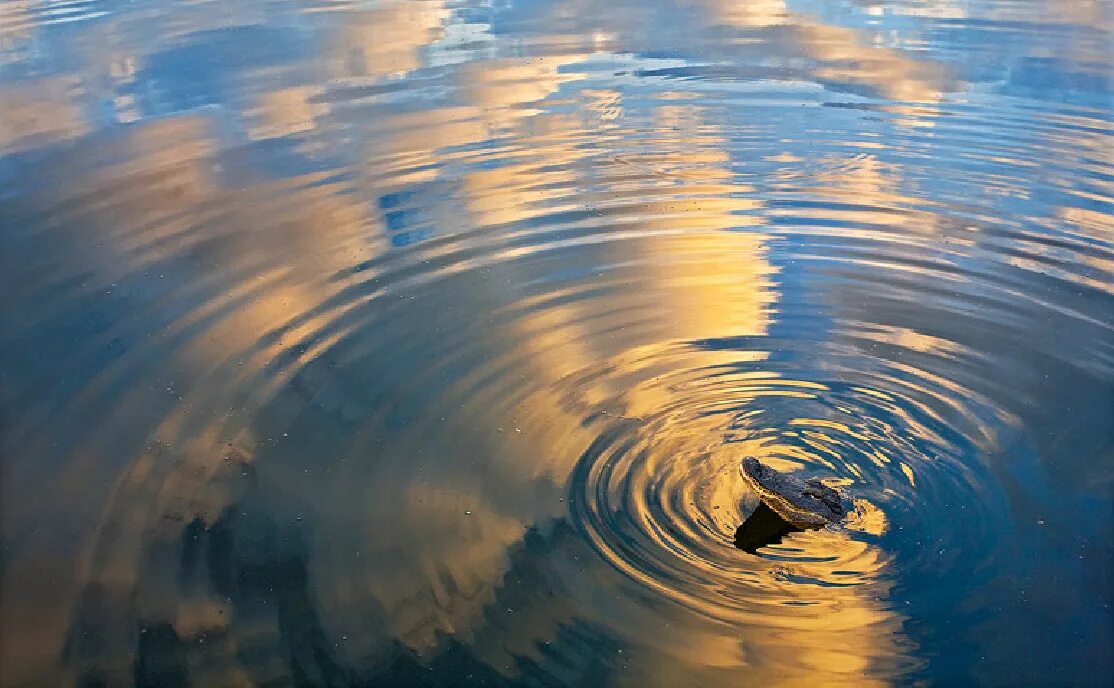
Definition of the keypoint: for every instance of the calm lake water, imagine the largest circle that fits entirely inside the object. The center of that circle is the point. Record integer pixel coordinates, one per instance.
(417, 342)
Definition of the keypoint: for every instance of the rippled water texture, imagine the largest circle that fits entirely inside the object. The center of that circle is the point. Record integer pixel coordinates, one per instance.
(401, 343)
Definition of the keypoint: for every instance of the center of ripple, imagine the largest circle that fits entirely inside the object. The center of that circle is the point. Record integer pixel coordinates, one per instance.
(659, 496)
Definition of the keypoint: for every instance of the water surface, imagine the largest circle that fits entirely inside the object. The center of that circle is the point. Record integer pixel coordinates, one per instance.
(417, 342)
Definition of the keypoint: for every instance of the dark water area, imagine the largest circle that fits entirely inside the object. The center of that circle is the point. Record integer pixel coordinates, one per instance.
(417, 342)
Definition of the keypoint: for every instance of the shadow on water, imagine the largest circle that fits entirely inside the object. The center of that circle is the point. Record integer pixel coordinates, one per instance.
(762, 528)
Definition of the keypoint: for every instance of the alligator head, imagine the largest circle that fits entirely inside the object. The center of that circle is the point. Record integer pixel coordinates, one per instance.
(802, 504)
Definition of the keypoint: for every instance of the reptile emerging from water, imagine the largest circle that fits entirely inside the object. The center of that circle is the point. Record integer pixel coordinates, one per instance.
(789, 504)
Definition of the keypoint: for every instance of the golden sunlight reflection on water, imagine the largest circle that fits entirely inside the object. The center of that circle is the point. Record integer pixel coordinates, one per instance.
(358, 342)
